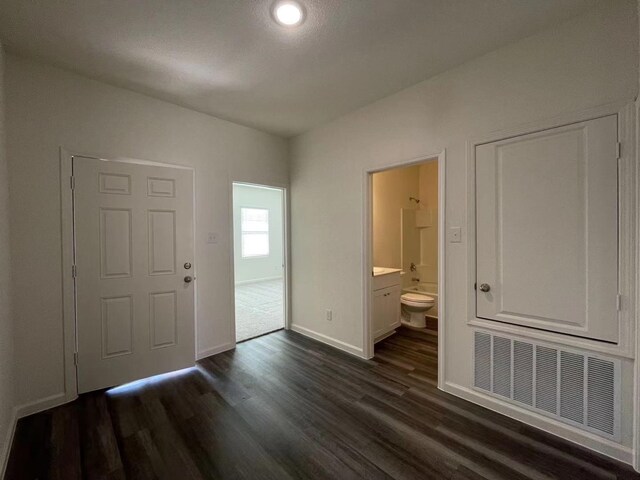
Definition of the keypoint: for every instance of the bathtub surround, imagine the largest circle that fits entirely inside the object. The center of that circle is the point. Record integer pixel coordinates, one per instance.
(391, 192)
(419, 240)
(405, 220)
(563, 70)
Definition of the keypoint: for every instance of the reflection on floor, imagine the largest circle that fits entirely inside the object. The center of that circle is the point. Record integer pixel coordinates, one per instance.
(259, 308)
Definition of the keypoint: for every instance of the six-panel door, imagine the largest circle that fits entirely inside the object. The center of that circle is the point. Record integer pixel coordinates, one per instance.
(547, 230)
(134, 234)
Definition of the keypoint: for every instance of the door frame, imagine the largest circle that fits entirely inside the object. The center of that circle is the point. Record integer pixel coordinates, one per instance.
(626, 227)
(69, 313)
(285, 250)
(367, 255)
(636, 387)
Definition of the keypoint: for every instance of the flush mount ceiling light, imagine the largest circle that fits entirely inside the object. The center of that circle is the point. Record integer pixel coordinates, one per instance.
(288, 13)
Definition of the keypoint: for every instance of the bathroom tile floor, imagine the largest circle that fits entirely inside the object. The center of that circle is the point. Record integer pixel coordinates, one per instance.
(259, 308)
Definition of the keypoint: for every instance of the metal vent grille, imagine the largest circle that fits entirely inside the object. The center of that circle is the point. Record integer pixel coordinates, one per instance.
(502, 366)
(523, 372)
(572, 386)
(546, 378)
(601, 395)
(483, 360)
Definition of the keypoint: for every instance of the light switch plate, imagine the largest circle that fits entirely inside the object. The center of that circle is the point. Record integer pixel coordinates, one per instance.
(455, 234)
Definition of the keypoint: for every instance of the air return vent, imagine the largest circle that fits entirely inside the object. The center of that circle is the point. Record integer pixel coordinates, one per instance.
(572, 386)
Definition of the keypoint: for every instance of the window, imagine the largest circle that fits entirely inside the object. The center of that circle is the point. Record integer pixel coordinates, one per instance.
(255, 232)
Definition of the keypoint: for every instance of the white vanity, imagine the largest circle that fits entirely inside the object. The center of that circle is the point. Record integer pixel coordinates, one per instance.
(386, 301)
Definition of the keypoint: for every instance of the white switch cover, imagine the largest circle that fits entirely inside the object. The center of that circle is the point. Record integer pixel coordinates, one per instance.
(212, 237)
(455, 235)
(329, 315)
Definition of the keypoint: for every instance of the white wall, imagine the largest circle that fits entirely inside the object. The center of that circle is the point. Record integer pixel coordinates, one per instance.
(586, 62)
(253, 269)
(7, 362)
(48, 108)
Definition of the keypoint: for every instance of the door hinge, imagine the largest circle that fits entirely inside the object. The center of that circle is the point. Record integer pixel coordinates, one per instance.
(619, 302)
(75, 358)
(74, 271)
(619, 150)
(72, 182)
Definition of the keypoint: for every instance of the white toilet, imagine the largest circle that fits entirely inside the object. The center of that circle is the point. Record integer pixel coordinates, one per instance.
(414, 307)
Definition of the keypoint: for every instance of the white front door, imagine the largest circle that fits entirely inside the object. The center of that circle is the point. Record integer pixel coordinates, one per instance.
(134, 252)
(547, 230)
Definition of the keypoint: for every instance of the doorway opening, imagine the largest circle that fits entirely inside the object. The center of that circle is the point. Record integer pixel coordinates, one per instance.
(404, 276)
(259, 259)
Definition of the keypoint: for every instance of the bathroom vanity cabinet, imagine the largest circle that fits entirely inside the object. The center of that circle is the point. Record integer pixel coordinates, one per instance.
(386, 302)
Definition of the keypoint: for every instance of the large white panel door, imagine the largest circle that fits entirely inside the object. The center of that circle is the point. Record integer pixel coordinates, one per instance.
(135, 296)
(547, 230)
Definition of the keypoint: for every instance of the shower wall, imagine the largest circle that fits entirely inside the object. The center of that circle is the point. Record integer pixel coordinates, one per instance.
(404, 231)
(420, 229)
(391, 192)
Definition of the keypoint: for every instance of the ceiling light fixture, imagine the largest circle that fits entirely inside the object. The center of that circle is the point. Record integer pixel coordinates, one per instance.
(288, 13)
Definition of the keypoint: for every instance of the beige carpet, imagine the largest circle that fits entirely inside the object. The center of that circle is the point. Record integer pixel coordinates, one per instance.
(259, 308)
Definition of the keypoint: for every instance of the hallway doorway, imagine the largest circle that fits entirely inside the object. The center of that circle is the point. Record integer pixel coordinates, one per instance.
(259, 259)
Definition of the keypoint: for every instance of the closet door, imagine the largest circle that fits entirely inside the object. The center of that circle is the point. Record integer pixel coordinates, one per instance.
(547, 230)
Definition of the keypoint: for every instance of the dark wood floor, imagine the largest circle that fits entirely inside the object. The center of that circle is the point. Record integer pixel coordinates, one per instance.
(283, 406)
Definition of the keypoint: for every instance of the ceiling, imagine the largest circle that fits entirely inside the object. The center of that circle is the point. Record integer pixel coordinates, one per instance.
(228, 58)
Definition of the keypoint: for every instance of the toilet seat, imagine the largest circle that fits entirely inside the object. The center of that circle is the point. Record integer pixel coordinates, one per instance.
(417, 300)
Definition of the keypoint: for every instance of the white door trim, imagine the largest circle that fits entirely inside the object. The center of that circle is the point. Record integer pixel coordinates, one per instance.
(367, 252)
(68, 256)
(636, 265)
(628, 210)
(286, 250)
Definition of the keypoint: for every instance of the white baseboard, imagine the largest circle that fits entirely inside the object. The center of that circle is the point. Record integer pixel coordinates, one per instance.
(382, 337)
(215, 350)
(340, 345)
(43, 404)
(568, 432)
(8, 441)
(258, 280)
(25, 410)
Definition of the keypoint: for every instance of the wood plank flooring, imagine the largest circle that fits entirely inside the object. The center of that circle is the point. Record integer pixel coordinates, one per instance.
(283, 406)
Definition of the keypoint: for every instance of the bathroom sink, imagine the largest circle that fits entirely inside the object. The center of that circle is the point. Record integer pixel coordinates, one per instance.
(384, 271)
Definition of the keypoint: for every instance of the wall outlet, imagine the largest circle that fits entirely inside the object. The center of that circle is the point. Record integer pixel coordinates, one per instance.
(212, 237)
(329, 315)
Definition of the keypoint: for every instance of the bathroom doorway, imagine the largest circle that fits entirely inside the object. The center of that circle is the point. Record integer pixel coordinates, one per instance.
(404, 257)
(259, 243)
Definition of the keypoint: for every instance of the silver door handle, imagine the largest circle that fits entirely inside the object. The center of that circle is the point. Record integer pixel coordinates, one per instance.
(485, 287)
(189, 279)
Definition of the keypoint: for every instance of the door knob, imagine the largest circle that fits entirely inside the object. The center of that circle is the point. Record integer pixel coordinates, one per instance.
(188, 279)
(485, 287)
